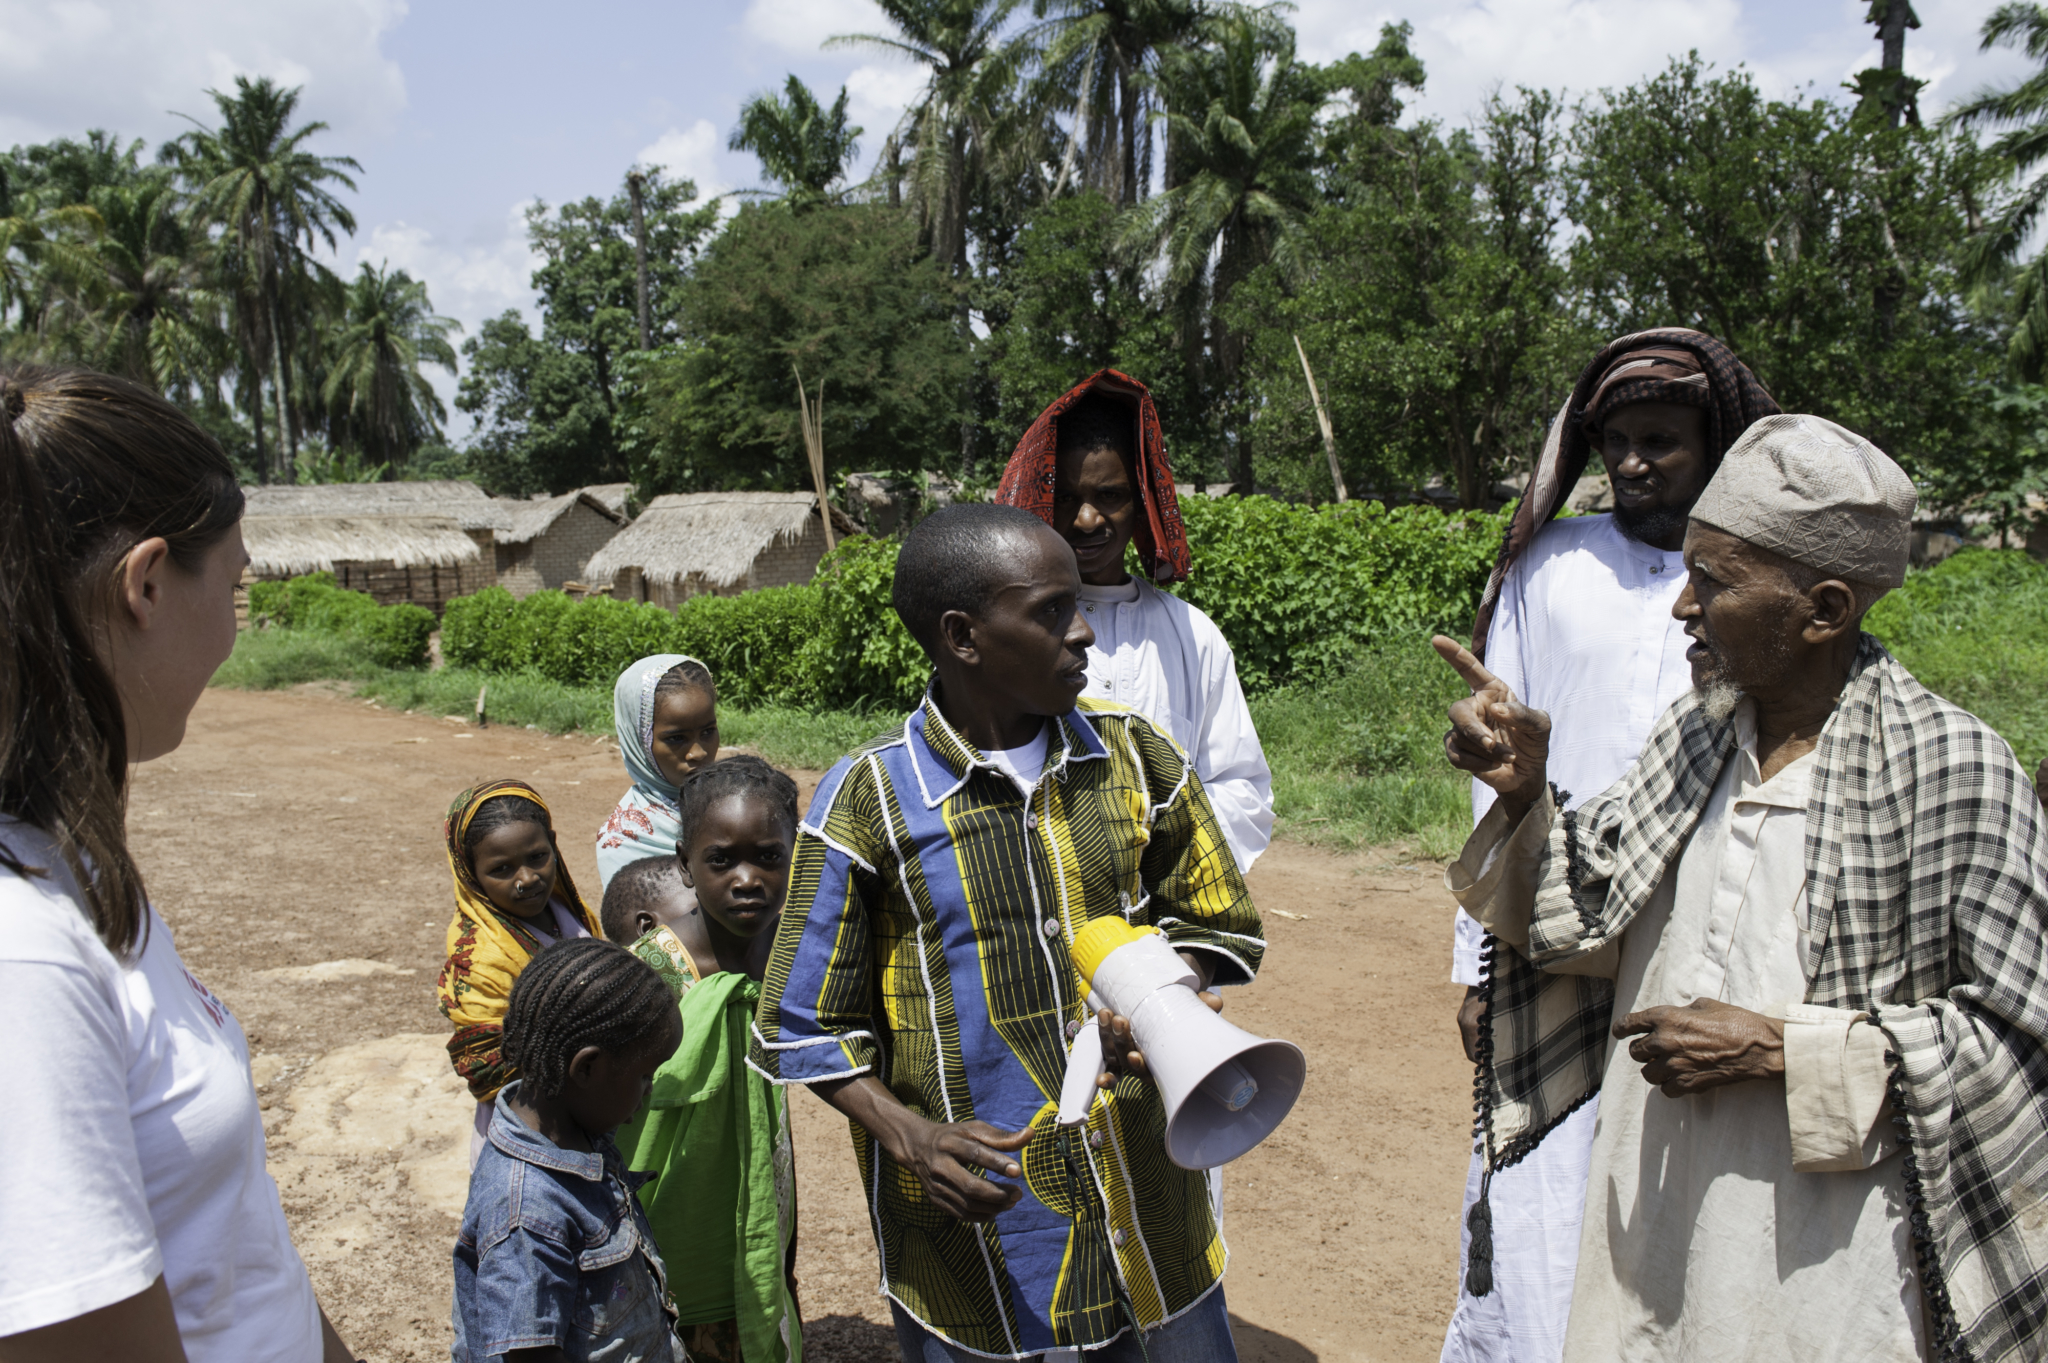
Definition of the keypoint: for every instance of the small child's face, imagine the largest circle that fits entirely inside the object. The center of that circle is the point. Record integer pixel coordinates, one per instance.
(738, 863)
(515, 864)
(685, 733)
(605, 1090)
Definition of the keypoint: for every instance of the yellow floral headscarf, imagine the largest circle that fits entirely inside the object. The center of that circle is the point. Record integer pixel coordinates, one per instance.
(488, 948)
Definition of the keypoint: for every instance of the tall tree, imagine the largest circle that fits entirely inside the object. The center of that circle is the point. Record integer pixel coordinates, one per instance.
(1240, 142)
(547, 405)
(848, 297)
(1788, 229)
(953, 131)
(803, 146)
(1099, 60)
(382, 404)
(253, 178)
(2021, 111)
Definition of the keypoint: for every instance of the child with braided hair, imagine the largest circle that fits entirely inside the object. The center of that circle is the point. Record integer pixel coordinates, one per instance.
(556, 1262)
(715, 1134)
(513, 896)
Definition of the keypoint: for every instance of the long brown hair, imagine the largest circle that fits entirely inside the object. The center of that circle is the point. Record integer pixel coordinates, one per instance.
(90, 466)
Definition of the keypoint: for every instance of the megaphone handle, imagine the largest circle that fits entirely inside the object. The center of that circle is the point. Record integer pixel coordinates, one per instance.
(1084, 1066)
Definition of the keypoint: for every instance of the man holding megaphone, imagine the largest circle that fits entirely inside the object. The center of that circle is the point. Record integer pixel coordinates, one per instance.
(947, 879)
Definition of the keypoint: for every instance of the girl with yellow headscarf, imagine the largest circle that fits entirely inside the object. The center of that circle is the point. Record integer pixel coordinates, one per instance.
(513, 896)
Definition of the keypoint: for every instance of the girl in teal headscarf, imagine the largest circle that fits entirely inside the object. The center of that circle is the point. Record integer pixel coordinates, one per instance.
(665, 717)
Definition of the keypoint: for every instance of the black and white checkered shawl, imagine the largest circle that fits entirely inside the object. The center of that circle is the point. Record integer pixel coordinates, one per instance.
(1927, 906)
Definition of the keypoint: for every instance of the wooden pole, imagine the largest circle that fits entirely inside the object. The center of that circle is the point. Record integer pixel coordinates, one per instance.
(634, 182)
(812, 416)
(1323, 420)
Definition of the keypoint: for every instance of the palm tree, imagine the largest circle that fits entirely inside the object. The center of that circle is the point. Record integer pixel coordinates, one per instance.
(1240, 139)
(954, 134)
(381, 403)
(802, 146)
(44, 246)
(153, 313)
(1099, 59)
(253, 179)
(2023, 112)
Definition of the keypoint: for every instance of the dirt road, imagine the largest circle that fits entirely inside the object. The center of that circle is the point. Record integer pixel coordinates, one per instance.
(294, 846)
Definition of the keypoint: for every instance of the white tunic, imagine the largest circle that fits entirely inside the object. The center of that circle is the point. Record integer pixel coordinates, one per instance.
(1757, 1221)
(1164, 658)
(1583, 632)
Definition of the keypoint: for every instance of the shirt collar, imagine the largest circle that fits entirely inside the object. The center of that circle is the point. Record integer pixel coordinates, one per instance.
(943, 759)
(1788, 786)
(521, 1142)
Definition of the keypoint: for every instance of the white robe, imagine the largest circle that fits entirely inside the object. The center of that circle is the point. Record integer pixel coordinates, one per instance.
(1164, 658)
(1583, 632)
(1759, 1221)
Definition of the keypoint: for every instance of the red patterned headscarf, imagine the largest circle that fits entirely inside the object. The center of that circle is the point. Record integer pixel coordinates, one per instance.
(1028, 478)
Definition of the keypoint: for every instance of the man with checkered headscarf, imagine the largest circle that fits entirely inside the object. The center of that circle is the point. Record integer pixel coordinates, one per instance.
(1577, 621)
(1815, 911)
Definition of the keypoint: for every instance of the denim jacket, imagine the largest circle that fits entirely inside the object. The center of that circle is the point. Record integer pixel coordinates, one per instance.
(556, 1250)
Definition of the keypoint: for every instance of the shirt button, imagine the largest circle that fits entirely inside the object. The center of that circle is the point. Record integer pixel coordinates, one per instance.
(1050, 927)
(1073, 1030)
(1095, 1143)
(1118, 1236)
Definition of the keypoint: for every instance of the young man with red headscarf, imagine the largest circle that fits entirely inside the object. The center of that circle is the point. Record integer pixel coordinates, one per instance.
(1093, 466)
(1577, 619)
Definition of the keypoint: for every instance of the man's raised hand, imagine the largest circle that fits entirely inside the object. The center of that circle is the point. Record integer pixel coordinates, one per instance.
(1493, 735)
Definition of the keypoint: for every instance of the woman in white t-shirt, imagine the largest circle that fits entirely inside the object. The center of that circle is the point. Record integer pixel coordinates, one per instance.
(137, 1220)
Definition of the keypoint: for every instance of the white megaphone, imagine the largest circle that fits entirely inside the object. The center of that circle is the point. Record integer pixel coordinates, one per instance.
(1224, 1089)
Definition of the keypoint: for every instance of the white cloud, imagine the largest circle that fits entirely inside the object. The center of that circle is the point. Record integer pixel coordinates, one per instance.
(471, 281)
(802, 25)
(876, 97)
(124, 65)
(692, 153)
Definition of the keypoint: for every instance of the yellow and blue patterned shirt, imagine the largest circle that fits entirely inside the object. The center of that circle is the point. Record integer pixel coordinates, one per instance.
(925, 940)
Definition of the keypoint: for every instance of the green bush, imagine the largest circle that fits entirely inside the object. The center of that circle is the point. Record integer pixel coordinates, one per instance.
(473, 629)
(391, 636)
(753, 643)
(860, 654)
(1298, 591)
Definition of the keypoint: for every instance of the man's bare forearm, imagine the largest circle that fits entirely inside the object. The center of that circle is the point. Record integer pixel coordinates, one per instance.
(867, 1100)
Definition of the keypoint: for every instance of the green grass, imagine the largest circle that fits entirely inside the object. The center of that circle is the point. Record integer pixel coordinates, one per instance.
(1357, 758)
(1974, 629)
(272, 659)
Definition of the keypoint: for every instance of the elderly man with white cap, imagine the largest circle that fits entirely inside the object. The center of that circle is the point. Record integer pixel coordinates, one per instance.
(1816, 908)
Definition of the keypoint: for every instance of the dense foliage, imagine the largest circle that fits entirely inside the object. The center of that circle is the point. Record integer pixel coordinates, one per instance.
(390, 636)
(1298, 591)
(1167, 187)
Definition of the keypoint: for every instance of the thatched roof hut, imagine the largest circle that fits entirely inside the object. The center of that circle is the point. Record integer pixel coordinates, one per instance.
(723, 543)
(419, 542)
(546, 542)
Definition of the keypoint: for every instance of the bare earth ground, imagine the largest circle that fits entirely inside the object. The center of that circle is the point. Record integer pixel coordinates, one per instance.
(294, 846)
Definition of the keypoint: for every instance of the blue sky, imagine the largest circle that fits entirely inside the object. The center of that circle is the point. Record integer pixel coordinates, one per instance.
(463, 112)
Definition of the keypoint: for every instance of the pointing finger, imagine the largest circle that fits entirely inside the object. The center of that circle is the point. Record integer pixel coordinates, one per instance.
(1463, 663)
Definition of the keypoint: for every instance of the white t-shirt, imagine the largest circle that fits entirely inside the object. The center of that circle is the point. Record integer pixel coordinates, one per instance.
(1026, 764)
(134, 1143)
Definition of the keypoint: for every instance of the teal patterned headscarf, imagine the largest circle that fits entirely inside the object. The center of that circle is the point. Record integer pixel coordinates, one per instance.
(644, 824)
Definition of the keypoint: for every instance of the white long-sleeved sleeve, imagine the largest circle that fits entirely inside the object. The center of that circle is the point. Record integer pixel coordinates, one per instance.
(1231, 761)
(1835, 1090)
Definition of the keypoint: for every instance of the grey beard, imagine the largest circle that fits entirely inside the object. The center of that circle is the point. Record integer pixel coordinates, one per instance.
(1718, 698)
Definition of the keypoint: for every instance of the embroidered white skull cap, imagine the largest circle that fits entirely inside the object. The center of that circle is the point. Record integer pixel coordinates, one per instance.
(1803, 487)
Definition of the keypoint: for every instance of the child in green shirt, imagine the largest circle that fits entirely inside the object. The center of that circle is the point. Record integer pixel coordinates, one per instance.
(714, 1133)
